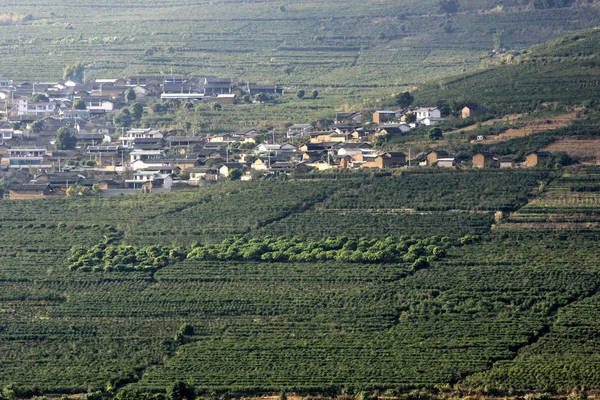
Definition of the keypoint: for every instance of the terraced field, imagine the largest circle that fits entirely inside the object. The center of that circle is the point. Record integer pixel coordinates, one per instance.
(445, 300)
(338, 43)
(569, 202)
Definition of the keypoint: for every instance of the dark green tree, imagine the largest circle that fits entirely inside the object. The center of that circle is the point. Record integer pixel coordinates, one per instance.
(314, 94)
(37, 126)
(448, 6)
(136, 111)
(410, 117)
(186, 329)
(180, 391)
(38, 98)
(130, 95)
(444, 107)
(261, 97)
(435, 133)
(216, 107)
(74, 72)
(79, 104)
(300, 93)
(122, 118)
(64, 139)
(235, 174)
(404, 99)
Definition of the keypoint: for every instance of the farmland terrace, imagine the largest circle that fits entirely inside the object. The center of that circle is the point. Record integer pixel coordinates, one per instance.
(333, 285)
(339, 43)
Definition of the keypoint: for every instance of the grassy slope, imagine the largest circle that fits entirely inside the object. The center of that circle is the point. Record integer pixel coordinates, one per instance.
(564, 70)
(342, 43)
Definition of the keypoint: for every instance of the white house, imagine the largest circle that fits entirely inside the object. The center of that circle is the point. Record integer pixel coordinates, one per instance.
(431, 121)
(99, 105)
(427, 112)
(146, 155)
(41, 109)
(150, 180)
(446, 162)
(352, 149)
(299, 130)
(127, 140)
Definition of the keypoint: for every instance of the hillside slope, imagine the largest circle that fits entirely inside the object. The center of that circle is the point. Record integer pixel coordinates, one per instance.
(564, 70)
(353, 43)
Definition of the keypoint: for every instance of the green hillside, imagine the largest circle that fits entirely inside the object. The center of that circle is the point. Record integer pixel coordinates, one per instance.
(343, 285)
(565, 70)
(352, 43)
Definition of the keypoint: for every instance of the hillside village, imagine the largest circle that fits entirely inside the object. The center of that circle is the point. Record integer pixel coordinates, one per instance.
(96, 154)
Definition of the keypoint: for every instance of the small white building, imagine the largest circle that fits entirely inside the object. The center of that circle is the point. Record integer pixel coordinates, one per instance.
(431, 121)
(146, 155)
(446, 162)
(149, 181)
(127, 140)
(299, 130)
(427, 112)
(40, 109)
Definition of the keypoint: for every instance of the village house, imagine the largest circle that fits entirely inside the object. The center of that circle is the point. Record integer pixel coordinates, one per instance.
(184, 141)
(225, 98)
(39, 109)
(506, 162)
(26, 158)
(202, 173)
(427, 112)
(90, 138)
(276, 148)
(392, 129)
(29, 191)
(145, 155)
(150, 181)
(383, 116)
(433, 156)
(96, 104)
(432, 121)
(448, 162)
(471, 111)
(350, 118)
(225, 168)
(351, 149)
(386, 160)
(481, 160)
(536, 158)
(254, 89)
(215, 86)
(128, 139)
(299, 130)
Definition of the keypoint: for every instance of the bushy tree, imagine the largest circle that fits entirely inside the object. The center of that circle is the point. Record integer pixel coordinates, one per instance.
(38, 98)
(235, 174)
(64, 139)
(404, 99)
(180, 391)
(435, 133)
(314, 94)
(300, 93)
(74, 72)
(449, 6)
(136, 111)
(122, 118)
(79, 104)
(37, 126)
(261, 97)
(130, 95)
